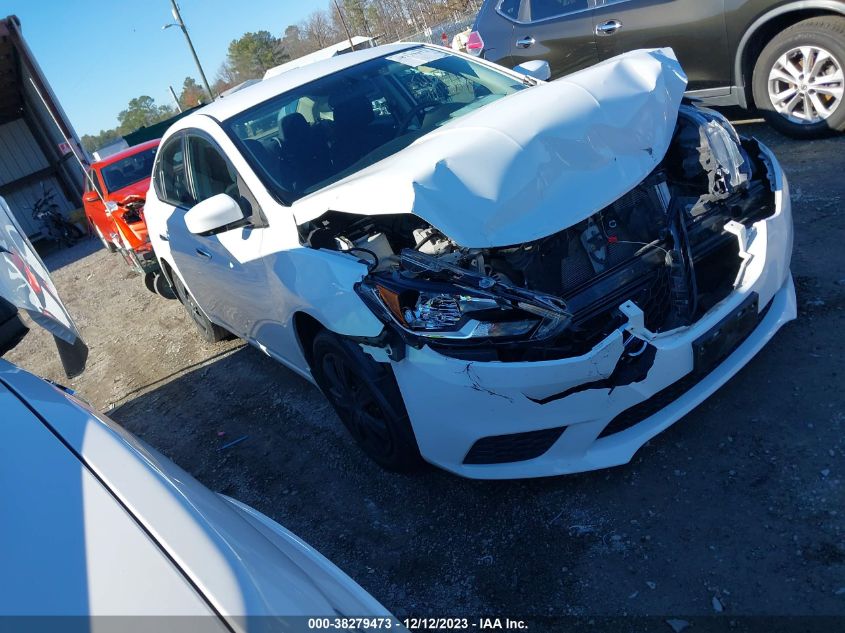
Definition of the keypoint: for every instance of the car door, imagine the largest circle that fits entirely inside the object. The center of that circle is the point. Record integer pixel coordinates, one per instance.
(223, 270)
(558, 31)
(92, 201)
(695, 29)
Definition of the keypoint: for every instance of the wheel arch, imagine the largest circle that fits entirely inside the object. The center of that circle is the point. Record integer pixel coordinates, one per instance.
(306, 327)
(767, 26)
(166, 270)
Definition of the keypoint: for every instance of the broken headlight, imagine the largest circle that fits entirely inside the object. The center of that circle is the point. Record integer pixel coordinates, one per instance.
(725, 157)
(446, 312)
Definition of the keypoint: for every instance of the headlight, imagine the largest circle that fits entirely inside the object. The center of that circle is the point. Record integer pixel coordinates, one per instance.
(446, 312)
(724, 143)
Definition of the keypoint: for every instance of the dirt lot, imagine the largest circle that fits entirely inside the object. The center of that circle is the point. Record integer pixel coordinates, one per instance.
(741, 501)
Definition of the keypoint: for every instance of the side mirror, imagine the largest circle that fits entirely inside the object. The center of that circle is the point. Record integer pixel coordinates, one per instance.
(536, 68)
(91, 196)
(212, 214)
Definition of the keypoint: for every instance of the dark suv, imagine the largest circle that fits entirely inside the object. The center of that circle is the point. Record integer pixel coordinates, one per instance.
(784, 57)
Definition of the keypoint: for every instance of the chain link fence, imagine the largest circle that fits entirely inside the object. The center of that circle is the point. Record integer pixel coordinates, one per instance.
(434, 33)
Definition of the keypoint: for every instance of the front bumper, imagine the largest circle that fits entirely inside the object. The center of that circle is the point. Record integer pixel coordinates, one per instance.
(453, 403)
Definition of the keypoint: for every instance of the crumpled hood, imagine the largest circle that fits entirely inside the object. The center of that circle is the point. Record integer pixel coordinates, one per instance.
(530, 164)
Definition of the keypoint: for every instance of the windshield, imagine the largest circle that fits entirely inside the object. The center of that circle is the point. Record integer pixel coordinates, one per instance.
(315, 135)
(129, 170)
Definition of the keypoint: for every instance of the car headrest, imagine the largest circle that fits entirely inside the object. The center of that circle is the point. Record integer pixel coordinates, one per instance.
(353, 110)
(294, 128)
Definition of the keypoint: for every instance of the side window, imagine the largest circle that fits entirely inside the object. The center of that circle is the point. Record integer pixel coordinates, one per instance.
(92, 175)
(542, 9)
(211, 173)
(510, 8)
(171, 184)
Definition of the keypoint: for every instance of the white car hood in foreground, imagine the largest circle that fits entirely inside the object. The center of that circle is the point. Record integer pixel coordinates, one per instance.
(101, 524)
(530, 164)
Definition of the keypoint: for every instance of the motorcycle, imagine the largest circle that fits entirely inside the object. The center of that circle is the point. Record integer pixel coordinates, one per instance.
(58, 228)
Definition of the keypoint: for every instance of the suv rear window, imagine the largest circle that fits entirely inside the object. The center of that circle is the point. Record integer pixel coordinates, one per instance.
(510, 8)
(542, 9)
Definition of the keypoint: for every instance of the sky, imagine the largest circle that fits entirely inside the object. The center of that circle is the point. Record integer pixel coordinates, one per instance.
(99, 54)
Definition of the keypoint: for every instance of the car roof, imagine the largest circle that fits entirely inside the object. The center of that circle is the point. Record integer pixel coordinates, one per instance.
(229, 106)
(129, 151)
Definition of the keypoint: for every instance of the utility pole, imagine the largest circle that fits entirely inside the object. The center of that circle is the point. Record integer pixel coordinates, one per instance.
(181, 24)
(175, 98)
(342, 21)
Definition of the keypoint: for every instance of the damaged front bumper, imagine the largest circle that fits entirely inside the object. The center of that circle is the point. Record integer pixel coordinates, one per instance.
(530, 419)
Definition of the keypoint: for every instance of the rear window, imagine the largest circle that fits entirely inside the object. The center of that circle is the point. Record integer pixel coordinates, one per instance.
(541, 9)
(510, 8)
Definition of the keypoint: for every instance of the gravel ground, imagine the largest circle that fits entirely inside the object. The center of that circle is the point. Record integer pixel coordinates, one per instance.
(738, 507)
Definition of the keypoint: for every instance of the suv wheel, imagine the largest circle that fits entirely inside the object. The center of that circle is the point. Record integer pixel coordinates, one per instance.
(798, 79)
(367, 400)
(209, 331)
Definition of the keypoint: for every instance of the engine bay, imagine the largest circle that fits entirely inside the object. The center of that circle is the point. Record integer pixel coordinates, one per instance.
(663, 246)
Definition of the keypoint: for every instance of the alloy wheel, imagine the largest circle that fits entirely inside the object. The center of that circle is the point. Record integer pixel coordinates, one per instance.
(806, 84)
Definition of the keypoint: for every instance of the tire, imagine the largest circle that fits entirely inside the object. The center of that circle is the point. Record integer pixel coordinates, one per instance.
(162, 287)
(815, 108)
(72, 233)
(210, 332)
(367, 400)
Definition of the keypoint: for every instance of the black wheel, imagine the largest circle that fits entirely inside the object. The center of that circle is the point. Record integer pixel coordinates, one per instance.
(209, 331)
(162, 287)
(798, 78)
(367, 401)
(149, 282)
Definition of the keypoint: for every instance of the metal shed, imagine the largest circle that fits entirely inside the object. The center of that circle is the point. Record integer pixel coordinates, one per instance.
(37, 141)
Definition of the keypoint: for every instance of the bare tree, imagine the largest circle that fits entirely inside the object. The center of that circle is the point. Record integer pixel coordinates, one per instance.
(318, 30)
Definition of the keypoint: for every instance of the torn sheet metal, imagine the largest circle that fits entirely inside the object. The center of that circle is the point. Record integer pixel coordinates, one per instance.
(528, 165)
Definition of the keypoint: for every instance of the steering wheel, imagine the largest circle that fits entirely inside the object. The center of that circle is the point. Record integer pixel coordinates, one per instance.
(416, 111)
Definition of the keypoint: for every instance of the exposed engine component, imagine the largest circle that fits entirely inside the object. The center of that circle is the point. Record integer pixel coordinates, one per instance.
(662, 246)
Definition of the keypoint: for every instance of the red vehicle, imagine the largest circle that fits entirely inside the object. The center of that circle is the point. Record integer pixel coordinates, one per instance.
(115, 192)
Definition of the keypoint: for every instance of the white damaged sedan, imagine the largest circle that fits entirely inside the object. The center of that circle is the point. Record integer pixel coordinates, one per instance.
(497, 275)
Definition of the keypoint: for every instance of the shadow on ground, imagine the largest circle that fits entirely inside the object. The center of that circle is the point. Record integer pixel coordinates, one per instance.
(56, 256)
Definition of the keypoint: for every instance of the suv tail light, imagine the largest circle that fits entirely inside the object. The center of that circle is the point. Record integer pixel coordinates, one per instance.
(475, 44)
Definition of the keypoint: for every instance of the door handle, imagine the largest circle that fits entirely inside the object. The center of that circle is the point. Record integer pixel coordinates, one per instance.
(608, 28)
(203, 253)
(164, 237)
(525, 42)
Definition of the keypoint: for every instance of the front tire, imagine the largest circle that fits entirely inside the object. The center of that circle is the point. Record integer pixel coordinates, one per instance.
(367, 400)
(210, 332)
(798, 78)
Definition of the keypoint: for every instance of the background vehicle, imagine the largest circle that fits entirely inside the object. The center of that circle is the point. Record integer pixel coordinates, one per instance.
(114, 195)
(59, 229)
(543, 296)
(102, 524)
(784, 57)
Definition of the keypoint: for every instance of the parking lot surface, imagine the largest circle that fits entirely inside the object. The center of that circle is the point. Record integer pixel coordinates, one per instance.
(738, 506)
